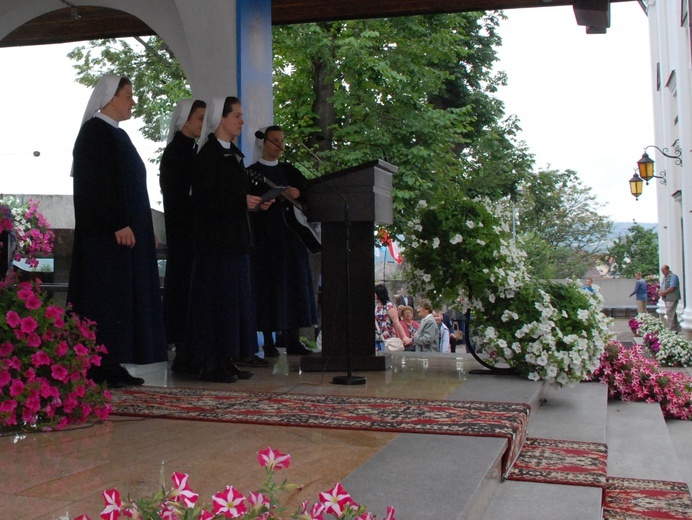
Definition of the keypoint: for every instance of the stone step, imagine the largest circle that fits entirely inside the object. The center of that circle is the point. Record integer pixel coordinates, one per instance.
(441, 476)
(680, 433)
(639, 445)
(570, 413)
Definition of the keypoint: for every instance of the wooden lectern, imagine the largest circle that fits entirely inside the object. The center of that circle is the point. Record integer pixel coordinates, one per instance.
(349, 201)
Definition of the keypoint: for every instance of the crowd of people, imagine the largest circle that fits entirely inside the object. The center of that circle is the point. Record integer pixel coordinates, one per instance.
(435, 332)
(234, 266)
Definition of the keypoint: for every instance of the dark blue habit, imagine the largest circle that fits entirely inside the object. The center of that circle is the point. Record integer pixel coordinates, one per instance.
(113, 285)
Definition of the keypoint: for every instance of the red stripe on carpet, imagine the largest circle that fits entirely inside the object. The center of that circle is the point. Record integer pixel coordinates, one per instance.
(471, 418)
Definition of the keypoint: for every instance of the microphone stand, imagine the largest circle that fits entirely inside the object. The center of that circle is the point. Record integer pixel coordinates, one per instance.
(349, 378)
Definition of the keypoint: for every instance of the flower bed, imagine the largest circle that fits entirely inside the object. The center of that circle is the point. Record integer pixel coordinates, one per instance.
(45, 353)
(631, 376)
(28, 227)
(669, 348)
(181, 503)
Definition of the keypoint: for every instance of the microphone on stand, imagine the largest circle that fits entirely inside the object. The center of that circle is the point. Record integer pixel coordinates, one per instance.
(360, 143)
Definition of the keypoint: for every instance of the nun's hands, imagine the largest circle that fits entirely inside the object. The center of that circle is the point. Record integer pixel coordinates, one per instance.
(125, 237)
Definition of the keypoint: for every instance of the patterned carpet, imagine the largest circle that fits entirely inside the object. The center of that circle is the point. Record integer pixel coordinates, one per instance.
(585, 464)
(636, 499)
(561, 462)
(508, 420)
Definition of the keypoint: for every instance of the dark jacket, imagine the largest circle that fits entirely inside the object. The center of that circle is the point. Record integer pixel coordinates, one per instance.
(219, 200)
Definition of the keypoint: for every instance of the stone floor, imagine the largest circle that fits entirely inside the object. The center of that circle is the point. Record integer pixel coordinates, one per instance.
(61, 475)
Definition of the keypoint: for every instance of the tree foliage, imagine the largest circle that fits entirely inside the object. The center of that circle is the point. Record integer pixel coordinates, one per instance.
(415, 91)
(418, 92)
(636, 251)
(157, 78)
(563, 231)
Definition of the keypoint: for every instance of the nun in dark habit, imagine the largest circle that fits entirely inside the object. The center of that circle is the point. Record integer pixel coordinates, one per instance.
(114, 277)
(176, 187)
(221, 315)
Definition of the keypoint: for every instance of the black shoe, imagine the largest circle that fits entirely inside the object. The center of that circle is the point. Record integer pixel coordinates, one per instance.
(126, 377)
(271, 351)
(254, 361)
(184, 366)
(298, 350)
(218, 375)
(242, 374)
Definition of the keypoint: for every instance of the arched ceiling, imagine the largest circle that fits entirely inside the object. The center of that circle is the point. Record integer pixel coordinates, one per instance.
(88, 23)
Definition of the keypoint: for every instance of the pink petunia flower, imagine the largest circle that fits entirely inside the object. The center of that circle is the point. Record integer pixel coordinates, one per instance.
(258, 502)
(40, 358)
(390, 514)
(206, 515)
(28, 325)
(83, 517)
(59, 373)
(8, 405)
(16, 388)
(273, 459)
(336, 500)
(229, 503)
(182, 492)
(5, 378)
(33, 340)
(53, 312)
(6, 349)
(13, 319)
(111, 498)
(32, 302)
(314, 512)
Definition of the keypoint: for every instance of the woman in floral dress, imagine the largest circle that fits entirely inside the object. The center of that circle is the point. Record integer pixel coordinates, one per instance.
(387, 317)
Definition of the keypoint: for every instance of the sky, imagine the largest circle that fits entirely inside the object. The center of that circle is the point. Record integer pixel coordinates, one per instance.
(584, 103)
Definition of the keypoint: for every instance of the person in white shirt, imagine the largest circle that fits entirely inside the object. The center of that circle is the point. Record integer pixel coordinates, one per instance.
(444, 343)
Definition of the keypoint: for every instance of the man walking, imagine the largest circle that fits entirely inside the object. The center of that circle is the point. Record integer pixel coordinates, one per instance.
(670, 292)
(640, 291)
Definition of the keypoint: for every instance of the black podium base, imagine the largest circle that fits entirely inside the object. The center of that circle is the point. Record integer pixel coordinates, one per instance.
(349, 380)
(325, 363)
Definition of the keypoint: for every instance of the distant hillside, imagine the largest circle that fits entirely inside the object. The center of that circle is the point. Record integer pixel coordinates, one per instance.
(620, 228)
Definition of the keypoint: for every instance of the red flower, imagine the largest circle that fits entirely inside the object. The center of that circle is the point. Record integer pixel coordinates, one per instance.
(182, 492)
(111, 498)
(273, 459)
(336, 500)
(229, 503)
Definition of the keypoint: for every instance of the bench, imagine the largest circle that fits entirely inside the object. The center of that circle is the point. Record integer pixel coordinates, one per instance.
(625, 311)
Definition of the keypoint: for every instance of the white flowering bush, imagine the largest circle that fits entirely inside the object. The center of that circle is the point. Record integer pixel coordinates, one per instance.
(461, 250)
(668, 347)
(547, 330)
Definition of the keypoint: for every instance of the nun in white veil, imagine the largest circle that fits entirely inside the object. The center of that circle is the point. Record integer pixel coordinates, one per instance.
(221, 313)
(176, 169)
(114, 274)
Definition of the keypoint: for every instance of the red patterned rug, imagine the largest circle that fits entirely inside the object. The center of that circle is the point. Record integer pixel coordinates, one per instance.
(561, 462)
(508, 420)
(636, 499)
